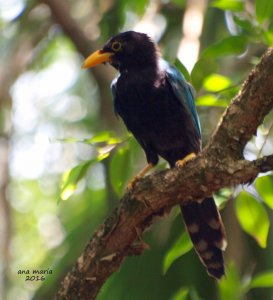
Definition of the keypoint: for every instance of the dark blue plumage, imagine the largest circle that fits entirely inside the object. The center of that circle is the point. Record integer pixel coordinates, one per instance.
(157, 106)
(184, 92)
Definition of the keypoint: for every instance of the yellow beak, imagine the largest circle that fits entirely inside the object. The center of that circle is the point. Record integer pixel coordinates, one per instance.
(96, 58)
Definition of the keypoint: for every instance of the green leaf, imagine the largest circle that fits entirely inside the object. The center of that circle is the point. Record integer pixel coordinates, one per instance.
(222, 196)
(216, 83)
(72, 177)
(268, 37)
(100, 137)
(252, 217)
(210, 100)
(262, 280)
(264, 10)
(233, 45)
(182, 69)
(233, 5)
(106, 137)
(244, 23)
(67, 140)
(230, 285)
(181, 294)
(179, 248)
(264, 186)
(119, 171)
(202, 69)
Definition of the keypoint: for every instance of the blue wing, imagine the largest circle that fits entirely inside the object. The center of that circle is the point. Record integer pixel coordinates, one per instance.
(183, 91)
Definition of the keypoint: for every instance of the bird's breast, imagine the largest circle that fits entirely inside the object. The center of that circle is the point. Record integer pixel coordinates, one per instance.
(154, 114)
(141, 105)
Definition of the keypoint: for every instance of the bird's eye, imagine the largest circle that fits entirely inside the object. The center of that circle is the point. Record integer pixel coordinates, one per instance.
(116, 46)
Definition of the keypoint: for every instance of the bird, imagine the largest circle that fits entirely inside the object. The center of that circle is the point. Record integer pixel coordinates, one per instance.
(157, 105)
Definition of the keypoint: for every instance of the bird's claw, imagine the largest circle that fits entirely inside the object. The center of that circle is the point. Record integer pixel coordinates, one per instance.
(133, 181)
(131, 184)
(181, 163)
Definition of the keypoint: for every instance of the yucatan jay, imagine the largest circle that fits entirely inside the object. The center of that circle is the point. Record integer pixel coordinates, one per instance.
(157, 106)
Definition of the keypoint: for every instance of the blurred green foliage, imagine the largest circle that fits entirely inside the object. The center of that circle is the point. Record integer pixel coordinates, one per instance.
(64, 144)
(252, 217)
(179, 248)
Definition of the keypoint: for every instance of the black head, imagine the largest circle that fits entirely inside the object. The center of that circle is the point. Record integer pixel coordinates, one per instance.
(125, 51)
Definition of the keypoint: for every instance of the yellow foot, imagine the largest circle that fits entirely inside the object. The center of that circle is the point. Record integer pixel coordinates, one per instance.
(181, 163)
(133, 181)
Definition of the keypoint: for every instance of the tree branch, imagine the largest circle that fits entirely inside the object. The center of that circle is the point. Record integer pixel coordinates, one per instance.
(247, 110)
(221, 164)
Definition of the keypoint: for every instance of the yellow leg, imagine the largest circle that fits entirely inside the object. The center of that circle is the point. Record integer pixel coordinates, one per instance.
(134, 180)
(181, 163)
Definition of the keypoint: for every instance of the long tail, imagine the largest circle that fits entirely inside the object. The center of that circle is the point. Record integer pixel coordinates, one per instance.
(207, 233)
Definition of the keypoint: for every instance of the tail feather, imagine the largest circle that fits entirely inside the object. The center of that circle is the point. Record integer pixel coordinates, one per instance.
(207, 233)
